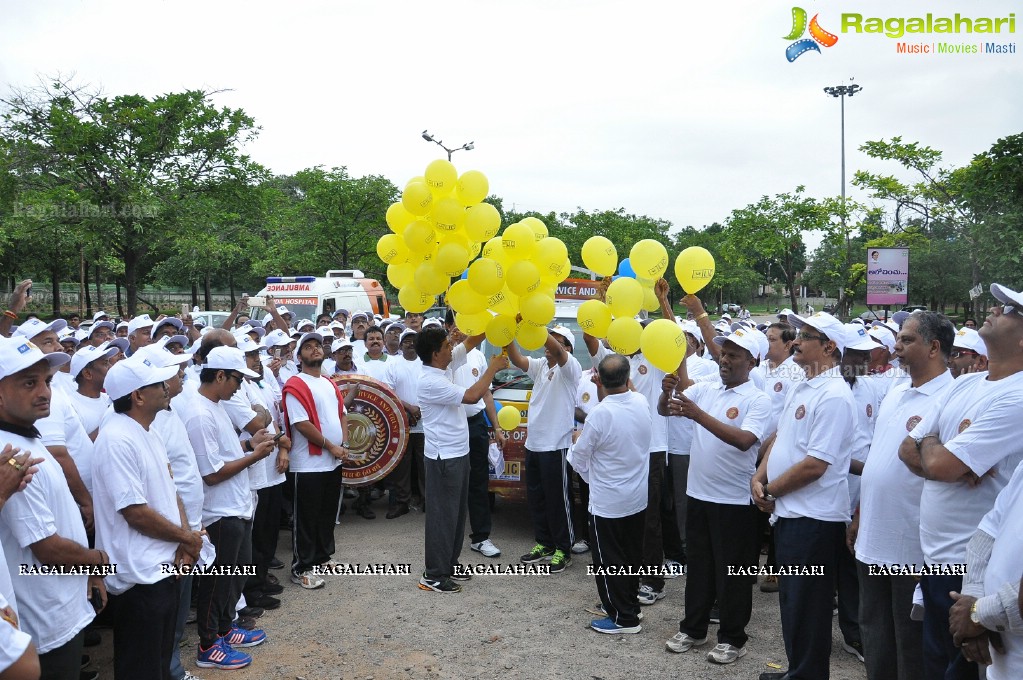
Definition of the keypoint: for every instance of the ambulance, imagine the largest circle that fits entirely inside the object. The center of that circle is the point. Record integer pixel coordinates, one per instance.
(309, 296)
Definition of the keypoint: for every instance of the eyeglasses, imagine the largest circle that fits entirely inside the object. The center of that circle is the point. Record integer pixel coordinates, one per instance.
(237, 376)
(803, 335)
(1011, 309)
(963, 353)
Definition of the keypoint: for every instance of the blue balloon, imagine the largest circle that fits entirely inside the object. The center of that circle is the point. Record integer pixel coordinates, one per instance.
(465, 274)
(625, 269)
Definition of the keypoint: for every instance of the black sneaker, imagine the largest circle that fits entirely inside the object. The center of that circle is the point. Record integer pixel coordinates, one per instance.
(537, 554)
(269, 588)
(560, 560)
(254, 612)
(265, 602)
(461, 573)
(276, 564)
(439, 585)
(715, 615)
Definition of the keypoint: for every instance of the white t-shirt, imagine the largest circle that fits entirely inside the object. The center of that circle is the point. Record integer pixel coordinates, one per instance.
(132, 469)
(1005, 523)
(187, 480)
(780, 379)
(612, 455)
(978, 423)
(90, 411)
(646, 378)
(212, 436)
(64, 428)
(719, 472)
(325, 399)
(376, 368)
(403, 378)
(815, 421)
(263, 392)
(552, 404)
(52, 609)
(287, 371)
(585, 393)
(13, 642)
(440, 401)
(680, 430)
(867, 396)
(889, 493)
(468, 375)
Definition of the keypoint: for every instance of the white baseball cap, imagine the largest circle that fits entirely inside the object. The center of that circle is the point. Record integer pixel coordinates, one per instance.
(341, 342)
(692, 328)
(785, 312)
(404, 334)
(566, 333)
(99, 315)
(306, 337)
(134, 373)
(883, 337)
(277, 338)
(432, 321)
(246, 344)
(299, 325)
(68, 335)
(282, 310)
(17, 354)
(119, 343)
(157, 354)
(34, 327)
(173, 321)
(1007, 296)
(89, 354)
(743, 338)
(225, 358)
(968, 338)
(100, 324)
(825, 323)
(139, 322)
(857, 338)
(249, 328)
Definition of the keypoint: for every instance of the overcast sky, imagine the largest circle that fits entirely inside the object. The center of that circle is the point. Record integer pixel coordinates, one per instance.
(681, 111)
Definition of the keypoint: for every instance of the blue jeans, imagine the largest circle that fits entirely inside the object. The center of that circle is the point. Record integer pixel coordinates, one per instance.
(942, 659)
(184, 604)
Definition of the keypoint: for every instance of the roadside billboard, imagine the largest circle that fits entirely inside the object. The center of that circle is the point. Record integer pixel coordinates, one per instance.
(887, 276)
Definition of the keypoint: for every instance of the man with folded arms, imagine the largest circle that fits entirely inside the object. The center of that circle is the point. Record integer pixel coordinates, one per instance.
(140, 520)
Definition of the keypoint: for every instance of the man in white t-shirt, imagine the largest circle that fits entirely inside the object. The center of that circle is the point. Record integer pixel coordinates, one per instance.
(803, 480)
(89, 368)
(731, 417)
(140, 521)
(969, 353)
(611, 454)
(402, 376)
(551, 420)
(446, 452)
(886, 526)
(966, 449)
(314, 419)
(42, 525)
(224, 464)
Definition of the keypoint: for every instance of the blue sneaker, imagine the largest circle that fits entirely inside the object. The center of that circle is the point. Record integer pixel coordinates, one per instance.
(608, 626)
(240, 637)
(220, 655)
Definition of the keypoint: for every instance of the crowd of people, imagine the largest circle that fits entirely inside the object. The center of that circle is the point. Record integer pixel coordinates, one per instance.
(148, 466)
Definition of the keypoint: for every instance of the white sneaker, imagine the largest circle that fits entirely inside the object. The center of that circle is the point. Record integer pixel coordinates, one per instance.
(308, 580)
(681, 642)
(189, 676)
(486, 547)
(581, 546)
(673, 569)
(725, 653)
(647, 595)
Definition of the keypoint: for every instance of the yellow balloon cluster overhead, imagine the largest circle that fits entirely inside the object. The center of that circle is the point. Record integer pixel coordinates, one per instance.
(440, 225)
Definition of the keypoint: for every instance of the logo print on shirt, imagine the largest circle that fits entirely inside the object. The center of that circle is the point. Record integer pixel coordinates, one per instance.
(732, 413)
(870, 410)
(475, 372)
(912, 422)
(642, 369)
(778, 386)
(586, 397)
(550, 374)
(801, 412)
(965, 424)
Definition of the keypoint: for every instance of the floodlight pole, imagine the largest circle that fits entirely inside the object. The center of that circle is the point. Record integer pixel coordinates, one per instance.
(468, 146)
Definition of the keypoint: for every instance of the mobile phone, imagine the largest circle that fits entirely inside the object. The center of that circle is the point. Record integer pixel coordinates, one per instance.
(28, 292)
(257, 302)
(277, 352)
(96, 598)
(278, 436)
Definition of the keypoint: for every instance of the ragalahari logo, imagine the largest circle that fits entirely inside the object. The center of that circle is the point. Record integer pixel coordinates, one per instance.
(817, 35)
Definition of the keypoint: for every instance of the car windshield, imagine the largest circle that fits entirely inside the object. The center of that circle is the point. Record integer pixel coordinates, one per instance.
(300, 312)
(514, 378)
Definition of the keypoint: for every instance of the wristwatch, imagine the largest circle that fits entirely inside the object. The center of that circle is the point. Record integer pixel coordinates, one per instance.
(344, 445)
(974, 616)
(767, 495)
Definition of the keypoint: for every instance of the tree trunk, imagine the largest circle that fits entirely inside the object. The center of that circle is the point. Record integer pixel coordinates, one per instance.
(230, 283)
(55, 289)
(131, 289)
(207, 298)
(99, 291)
(195, 295)
(85, 286)
(117, 293)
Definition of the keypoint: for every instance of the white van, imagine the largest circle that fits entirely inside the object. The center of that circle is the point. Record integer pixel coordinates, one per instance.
(309, 296)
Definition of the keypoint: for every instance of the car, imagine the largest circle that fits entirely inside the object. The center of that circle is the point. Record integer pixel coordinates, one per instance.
(730, 307)
(914, 308)
(211, 319)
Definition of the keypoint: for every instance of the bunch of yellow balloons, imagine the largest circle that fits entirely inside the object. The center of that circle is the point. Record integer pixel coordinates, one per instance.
(440, 226)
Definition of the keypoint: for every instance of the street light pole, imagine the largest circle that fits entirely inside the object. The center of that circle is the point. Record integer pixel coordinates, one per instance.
(841, 91)
(468, 146)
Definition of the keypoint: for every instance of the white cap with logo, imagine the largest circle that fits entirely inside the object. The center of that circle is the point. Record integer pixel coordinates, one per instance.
(17, 354)
(825, 323)
(134, 373)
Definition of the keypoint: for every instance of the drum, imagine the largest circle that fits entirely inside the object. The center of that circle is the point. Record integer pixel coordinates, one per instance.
(377, 430)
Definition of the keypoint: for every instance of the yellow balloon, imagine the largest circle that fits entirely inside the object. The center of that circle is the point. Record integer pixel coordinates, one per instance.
(694, 268)
(392, 248)
(414, 300)
(459, 237)
(649, 259)
(594, 317)
(452, 259)
(504, 302)
(537, 226)
(472, 187)
(650, 301)
(531, 337)
(624, 297)
(462, 298)
(420, 237)
(447, 214)
(519, 242)
(549, 256)
(623, 335)
(482, 222)
(430, 280)
(501, 330)
(400, 275)
(474, 249)
(418, 178)
(523, 277)
(494, 250)
(472, 324)
(441, 177)
(398, 218)
(417, 198)
(509, 418)
(600, 255)
(486, 276)
(663, 344)
(537, 309)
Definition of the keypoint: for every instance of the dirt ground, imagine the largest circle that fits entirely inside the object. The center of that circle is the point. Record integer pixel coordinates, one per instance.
(375, 627)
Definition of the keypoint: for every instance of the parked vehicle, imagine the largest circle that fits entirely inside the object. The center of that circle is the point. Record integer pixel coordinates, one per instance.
(210, 319)
(309, 296)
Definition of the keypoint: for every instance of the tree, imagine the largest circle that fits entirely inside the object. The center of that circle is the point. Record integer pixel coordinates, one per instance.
(772, 229)
(131, 157)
